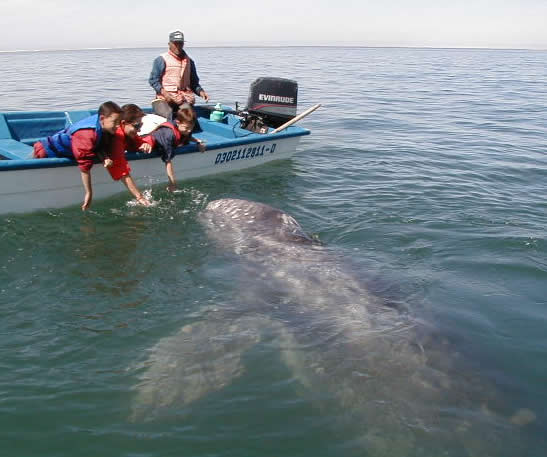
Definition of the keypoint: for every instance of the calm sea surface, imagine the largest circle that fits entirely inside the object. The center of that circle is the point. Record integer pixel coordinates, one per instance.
(426, 173)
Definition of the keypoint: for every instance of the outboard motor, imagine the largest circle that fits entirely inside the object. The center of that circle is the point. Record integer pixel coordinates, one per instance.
(271, 102)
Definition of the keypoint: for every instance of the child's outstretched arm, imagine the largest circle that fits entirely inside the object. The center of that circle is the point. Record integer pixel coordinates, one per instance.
(201, 144)
(145, 143)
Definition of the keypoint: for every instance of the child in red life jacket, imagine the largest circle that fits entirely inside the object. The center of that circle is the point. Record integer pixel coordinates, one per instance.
(126, 138)
(172, 134)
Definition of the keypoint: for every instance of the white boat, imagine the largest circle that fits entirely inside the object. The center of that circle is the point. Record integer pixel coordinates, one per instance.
(28, 184)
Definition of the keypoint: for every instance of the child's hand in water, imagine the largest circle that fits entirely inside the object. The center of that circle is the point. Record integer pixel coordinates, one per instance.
(143, 201)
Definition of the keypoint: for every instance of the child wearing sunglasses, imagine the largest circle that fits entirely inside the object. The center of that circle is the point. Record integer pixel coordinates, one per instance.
(127, 138)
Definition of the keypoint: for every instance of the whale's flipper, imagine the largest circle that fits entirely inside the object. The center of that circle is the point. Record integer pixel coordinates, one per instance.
(201, 358)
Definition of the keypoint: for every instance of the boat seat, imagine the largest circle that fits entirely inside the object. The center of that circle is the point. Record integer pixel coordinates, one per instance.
(22, 129)
(30, 130)
(15, 150)
(216, 128)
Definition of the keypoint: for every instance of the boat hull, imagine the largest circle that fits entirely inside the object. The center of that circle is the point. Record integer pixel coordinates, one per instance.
(28, 184)
(31, 189)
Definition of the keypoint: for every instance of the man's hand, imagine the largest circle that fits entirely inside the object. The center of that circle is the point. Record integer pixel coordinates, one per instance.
(146, 148)
(178, 99)
(204, 95)
(108, 163)
(167, 96)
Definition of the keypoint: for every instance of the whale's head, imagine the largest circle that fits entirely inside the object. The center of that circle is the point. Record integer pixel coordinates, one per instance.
(246, 226)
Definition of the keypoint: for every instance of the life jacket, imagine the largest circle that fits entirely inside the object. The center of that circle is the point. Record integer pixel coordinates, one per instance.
(177, 73)
(60, 144)
(178, 137)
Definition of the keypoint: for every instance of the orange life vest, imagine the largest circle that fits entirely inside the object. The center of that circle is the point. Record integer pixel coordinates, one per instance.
(177, 73)
(178, 137)
(176, 78)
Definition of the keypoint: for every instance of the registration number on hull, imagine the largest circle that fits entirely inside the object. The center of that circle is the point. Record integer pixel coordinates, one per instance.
(249, 152)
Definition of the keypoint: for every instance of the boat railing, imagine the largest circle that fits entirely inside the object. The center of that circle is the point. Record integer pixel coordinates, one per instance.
(20, 130)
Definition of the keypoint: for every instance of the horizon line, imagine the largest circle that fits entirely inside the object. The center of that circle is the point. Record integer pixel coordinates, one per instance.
(265, 45)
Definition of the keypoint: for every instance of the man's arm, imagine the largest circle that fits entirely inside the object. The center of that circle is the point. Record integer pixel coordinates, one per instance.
(158, 69)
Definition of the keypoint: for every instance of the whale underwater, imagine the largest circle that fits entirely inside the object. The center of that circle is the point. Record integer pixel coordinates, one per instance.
(395, 384)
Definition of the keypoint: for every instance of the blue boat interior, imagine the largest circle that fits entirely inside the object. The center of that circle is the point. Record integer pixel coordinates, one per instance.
(20, 130)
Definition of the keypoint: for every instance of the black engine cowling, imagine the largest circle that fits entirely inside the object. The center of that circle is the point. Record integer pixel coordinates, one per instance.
(273, 99)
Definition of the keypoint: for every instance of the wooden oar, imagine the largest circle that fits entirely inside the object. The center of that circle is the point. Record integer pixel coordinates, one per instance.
(296, 118)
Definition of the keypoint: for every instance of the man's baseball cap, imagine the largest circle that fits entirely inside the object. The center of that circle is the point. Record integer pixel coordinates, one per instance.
(176, 36)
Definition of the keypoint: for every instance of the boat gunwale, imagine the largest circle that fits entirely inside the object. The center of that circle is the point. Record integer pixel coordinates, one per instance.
(250, 138)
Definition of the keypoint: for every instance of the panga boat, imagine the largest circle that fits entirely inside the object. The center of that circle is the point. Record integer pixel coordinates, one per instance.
(28, 184)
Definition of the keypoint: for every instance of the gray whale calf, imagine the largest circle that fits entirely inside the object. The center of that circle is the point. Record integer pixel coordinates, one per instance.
(400, 390)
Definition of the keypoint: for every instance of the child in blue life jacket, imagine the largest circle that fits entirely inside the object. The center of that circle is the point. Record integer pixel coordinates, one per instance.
(85, 141)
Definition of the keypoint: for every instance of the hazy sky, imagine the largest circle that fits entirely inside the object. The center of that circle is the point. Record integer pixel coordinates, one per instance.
(63, 24)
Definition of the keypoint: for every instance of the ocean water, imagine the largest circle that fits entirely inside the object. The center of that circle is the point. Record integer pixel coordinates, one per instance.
(425, 176)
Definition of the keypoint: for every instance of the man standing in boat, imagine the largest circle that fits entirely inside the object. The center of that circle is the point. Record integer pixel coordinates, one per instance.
(174, 78)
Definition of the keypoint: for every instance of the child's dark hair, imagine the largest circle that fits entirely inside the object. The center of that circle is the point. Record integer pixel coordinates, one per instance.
(185, 113)
(108, 108)
(131, 113)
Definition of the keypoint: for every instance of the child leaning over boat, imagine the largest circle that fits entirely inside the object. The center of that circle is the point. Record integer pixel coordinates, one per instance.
(172, 134)
(126, 138)
(86, 141)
